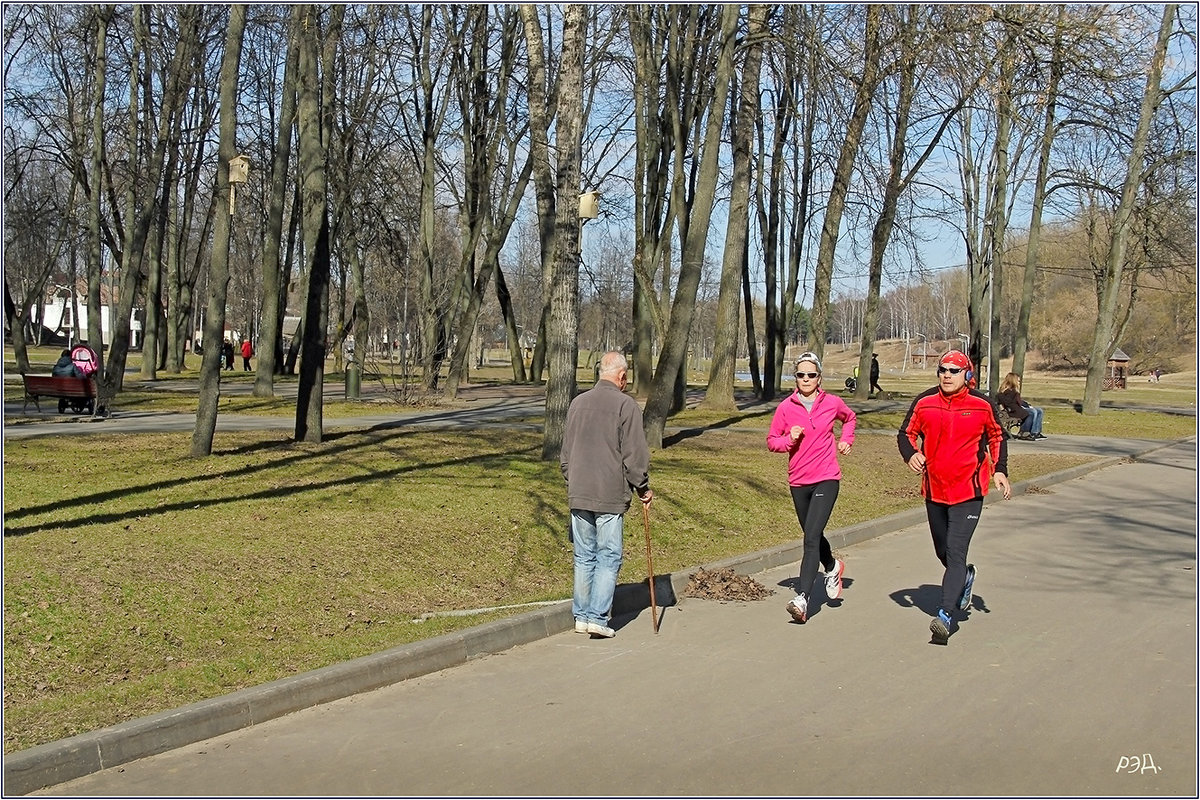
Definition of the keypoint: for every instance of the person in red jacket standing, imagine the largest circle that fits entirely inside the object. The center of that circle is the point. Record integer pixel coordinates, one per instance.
(803, 428)
(953, 439)
(247, 352)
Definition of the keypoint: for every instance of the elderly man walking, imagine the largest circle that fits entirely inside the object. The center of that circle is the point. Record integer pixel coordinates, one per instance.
(604, 458)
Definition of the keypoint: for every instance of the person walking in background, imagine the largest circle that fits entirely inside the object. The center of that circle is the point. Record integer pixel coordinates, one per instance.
(1030, 416)
(803, 428)
(604, 457)
(247, 352)
(227, 353)
(875, 387)
(952, 437)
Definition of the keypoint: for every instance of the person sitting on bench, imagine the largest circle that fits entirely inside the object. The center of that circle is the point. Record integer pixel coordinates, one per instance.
(65, 367)
(1030, 416)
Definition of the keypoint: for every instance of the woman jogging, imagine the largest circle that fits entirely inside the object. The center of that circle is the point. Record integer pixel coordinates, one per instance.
(953, 439)
(803, 428)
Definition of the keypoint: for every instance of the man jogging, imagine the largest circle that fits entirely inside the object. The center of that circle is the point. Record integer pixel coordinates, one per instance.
(952, 437)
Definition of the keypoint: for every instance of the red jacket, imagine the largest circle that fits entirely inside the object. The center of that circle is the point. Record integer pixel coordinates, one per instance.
(962, 440)
(247, 349)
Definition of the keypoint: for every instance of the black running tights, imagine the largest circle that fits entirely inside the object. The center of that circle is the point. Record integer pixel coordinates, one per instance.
(814, 504)
(952, 527)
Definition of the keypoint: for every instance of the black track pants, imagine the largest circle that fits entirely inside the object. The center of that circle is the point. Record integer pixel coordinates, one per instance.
(814, 504)
(952, 527)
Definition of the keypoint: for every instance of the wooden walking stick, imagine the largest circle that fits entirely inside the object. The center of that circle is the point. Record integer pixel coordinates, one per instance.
(650, 566)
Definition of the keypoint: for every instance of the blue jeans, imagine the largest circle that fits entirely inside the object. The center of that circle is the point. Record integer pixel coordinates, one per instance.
(1033, 422)
(598, 553)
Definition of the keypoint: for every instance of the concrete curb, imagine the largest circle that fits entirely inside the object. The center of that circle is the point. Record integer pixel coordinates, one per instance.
(56, 762)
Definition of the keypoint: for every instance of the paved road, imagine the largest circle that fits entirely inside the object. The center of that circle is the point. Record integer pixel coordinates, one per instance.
(1079, 654)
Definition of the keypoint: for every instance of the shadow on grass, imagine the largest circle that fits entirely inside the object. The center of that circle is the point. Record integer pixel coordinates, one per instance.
(192, 503)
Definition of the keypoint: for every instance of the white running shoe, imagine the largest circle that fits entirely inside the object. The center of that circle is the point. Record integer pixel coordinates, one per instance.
(833, 580)
(798, 608)
(580, 626)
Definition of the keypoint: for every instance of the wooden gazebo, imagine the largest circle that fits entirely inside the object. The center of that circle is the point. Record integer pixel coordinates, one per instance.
(1117, 364)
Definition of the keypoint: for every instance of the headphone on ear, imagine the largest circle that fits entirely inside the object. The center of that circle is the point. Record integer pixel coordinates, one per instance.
(970, 375)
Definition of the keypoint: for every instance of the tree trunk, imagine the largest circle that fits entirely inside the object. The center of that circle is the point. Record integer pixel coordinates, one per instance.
(218, 282)
(94, 265)
(1110, 289)
(274, 299)
(719, 393)
(865, 90)
(314, 73)
(1034, 240)
(562, 336)
(693, 235)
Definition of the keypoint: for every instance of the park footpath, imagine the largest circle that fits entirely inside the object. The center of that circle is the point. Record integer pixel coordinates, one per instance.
(1073, 673)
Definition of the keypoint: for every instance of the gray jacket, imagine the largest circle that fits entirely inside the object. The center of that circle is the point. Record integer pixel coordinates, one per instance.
(604, 453)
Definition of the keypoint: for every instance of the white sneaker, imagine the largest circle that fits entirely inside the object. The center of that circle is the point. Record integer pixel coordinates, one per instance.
(833, 580)
(596, 629)
(580, 626)
(798, 608)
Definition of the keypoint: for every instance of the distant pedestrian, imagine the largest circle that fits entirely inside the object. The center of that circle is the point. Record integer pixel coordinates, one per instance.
(227, 354)
(952, 437)
(604, 457)
(247, 352)
(803, 428)
(875, 387)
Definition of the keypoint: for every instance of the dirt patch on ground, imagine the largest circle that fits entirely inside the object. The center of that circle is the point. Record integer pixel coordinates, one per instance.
(725, 584)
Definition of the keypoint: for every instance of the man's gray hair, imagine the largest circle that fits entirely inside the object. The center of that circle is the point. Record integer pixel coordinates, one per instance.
(612, 362)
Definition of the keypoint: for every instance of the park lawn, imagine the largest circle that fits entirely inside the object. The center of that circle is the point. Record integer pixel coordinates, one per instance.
(137, 579)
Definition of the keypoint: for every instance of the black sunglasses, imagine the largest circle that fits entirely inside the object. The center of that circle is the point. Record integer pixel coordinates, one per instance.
(809, 375)
(951, 370)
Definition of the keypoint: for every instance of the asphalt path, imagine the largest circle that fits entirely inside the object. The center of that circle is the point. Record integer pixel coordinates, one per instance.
(1073, 674)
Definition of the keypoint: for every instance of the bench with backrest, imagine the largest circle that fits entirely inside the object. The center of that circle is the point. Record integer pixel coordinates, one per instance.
(1011, 425)
(79, 393)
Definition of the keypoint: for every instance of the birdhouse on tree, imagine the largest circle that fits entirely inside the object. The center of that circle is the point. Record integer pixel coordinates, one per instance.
(239, 172)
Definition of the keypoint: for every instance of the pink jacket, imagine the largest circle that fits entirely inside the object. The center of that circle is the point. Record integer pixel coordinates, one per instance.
(814, 458)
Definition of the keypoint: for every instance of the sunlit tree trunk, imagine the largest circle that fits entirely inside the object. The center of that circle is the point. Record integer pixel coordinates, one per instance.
(218, 281)
(719, 394)
(1109, 290)
(270, 331)
(562, 336)
(1034, 241)
(693, 236)
(866, 83)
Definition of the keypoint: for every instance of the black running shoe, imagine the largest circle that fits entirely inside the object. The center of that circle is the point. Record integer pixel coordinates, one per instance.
(939, 626)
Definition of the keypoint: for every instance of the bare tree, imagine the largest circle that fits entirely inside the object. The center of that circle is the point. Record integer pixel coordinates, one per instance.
(210, 368)
(1109, 286)
(744, 118)
(865, 82)
(270, 349)
(561, 332)
(665, 390)
(315, 73)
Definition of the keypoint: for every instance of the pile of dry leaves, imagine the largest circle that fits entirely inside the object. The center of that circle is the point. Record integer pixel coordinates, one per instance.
(725, 584)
